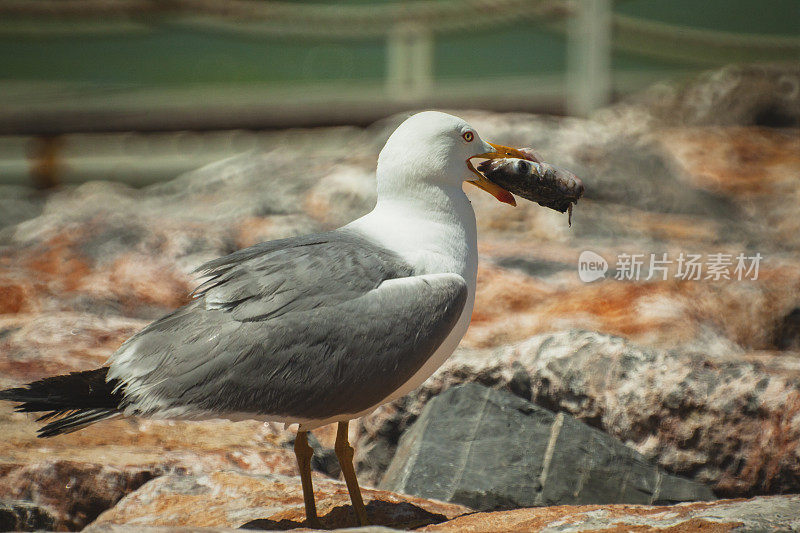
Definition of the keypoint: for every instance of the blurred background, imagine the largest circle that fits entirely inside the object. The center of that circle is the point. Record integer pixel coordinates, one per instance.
(141, 138)
(91, 72)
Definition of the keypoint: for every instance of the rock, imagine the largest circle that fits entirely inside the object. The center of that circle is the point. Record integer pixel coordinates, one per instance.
(150, 444)
(84, 459)
(748, 166)
(347, 193)
(512, 306)
(787, 337)
(727, 422)
(74, 493)
(18, 515)
(263, 502)
(35, 345)
(18, 204)
(106, 248)
(85, 266)
(490, 450)
(741, 95)
(324, 459)
(765, 513)
(122, 528)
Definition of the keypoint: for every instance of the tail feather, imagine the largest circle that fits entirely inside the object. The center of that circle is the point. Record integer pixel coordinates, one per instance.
(72, 401)
(75, 421)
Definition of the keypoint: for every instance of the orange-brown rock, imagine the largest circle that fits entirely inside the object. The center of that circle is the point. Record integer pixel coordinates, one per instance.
(511, 306)
(758, 514)
(155, 444)
(76, 493)
(235, 499)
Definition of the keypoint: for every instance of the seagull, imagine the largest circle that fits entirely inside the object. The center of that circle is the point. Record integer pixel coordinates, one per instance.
(315, 329)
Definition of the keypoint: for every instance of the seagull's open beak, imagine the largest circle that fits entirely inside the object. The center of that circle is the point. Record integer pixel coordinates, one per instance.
(499, 152)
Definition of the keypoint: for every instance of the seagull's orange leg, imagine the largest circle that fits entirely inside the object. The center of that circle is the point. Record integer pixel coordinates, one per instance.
(303, 452)
(344, 452)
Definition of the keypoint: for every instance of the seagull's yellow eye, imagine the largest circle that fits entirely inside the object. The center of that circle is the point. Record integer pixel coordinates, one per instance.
(468, 136)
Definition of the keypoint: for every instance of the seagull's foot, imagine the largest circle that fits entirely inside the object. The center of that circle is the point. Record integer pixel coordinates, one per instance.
(304, 452)
(344, 452)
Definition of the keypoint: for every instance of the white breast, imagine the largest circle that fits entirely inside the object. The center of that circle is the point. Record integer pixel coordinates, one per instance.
(434, 237)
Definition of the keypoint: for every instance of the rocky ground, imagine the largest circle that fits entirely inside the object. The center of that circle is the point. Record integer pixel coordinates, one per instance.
(690, 387)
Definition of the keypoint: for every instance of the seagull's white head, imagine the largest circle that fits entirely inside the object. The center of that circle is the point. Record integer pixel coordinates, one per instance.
(433, 148)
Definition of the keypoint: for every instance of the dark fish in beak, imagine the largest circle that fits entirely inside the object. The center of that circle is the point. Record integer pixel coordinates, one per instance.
(535, 180)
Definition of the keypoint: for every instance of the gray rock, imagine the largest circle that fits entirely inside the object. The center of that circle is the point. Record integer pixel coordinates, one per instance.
(638, 174)
(787, 336)
(18, 204)
(742, 95)
(324, 459)
(17, 515)
(724, 421)
(492, 450)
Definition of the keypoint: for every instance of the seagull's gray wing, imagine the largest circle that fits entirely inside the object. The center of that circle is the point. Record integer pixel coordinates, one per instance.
(304, 328)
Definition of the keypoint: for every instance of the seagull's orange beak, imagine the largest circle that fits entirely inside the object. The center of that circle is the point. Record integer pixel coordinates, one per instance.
(499, 152)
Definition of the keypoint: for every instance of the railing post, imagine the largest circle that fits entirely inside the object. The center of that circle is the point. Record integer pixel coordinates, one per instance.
(589, 56)
(45, 161)
(409, 61)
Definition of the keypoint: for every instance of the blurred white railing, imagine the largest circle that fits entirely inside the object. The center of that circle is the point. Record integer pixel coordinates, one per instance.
(410, 29)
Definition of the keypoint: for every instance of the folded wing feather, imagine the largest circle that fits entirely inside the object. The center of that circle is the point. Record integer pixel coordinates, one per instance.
(311, 327)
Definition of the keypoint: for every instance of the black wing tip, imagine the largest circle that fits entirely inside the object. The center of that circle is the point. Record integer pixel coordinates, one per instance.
(73, 421)
(27, 397)
(12, 395)
(69, 401)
